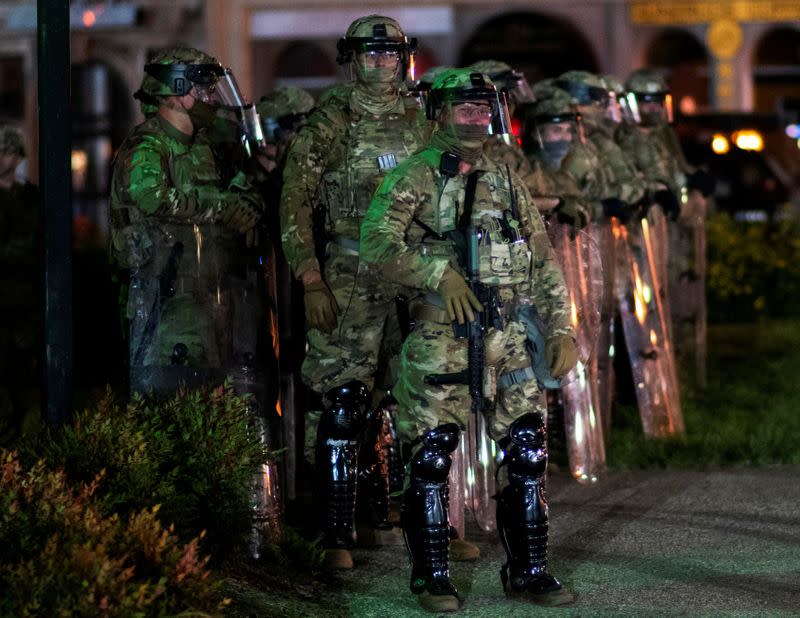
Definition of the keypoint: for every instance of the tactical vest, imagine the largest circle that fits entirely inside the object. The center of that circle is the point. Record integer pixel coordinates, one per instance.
(373, 147)
(504, 254)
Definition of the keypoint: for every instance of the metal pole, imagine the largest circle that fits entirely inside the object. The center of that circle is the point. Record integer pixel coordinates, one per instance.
(55, 124)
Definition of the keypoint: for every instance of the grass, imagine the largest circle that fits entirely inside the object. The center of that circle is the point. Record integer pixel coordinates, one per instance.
(748, 416)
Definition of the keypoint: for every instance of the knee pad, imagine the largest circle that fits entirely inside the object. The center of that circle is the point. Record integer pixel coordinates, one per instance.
(343, 418)
(432, 462)
(526, 447)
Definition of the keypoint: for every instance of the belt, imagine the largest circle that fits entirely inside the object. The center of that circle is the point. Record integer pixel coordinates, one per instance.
(429, 313)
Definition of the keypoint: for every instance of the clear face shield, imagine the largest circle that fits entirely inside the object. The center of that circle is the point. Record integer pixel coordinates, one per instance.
(654, 108)
(614, 109)
(630, 109)
(232, 101)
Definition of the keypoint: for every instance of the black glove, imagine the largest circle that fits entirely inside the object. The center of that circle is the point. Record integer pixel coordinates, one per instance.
(669, 203)
(615, 207)
(702, 181)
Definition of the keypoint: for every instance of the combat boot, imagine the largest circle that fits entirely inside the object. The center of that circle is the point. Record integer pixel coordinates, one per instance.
(522, 516)
(425, 525)
(336, 456)
(459, 550)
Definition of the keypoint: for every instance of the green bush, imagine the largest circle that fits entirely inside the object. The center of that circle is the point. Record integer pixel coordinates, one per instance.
(195, 454)
(62, 556)
(752, 269)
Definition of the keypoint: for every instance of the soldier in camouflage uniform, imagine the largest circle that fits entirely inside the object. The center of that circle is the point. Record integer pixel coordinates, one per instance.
(657, 153)
(283, 111)
(409, 238)
(176, 229)
(355, 136)
(20, 302)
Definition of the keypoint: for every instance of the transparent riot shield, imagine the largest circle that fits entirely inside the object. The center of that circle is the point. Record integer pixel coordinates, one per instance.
(581, 264)
(202, 310)
(644, 313)
(687, 275)
(601, 370)
(457, 485)
(480, 474)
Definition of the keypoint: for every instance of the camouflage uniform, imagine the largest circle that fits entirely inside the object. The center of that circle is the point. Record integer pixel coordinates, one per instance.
(332, 170)
(175, 234)
(418, 190)
(20, 302)
(406, 238)
(656, 151)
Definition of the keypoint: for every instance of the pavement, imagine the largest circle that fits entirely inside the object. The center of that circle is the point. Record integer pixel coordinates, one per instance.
(639, 543)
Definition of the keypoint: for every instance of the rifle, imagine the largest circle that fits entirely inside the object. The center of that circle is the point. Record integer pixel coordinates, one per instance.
(166, 289)
(466, 242)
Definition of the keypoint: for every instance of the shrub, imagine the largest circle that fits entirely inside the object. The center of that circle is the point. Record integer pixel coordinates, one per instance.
(195, 454)
(63, 557)
(752, 269)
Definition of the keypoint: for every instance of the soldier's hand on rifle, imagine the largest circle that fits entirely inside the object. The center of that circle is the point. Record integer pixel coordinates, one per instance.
(321, 305)
(458, 298)
(561, 353)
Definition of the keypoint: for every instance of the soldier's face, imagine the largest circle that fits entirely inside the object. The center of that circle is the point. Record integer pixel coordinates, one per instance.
(476, 114)
(378, 66)
(557, 132)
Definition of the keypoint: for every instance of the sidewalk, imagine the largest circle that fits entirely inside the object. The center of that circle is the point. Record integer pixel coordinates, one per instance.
(638, 544)
(719, 543)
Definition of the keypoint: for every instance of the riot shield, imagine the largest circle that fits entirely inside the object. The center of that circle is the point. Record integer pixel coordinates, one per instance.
(582, 267)
(645, 312)
(479, 474)
(457, 485)
(687, 275)
(202, 310)
(601, 371)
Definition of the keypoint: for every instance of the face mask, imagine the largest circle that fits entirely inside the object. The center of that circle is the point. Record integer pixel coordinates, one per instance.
(651, 119)
(555, 151)
(471, 133)
(380, 75)
(202, 114)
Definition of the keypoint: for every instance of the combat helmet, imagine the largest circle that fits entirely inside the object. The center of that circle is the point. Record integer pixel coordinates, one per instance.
(585, 88)
(554, 107)
(466, 86)
(376, 33)
(175, 70)
(650, 86)
(504, 77)
(284, 109)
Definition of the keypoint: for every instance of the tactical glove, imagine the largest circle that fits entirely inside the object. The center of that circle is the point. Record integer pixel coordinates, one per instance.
(458, 298)
(321, 307)
(702, 181)
(241, 213)
(669, 203)
(561, 353)
(615, 207)
(571, 212)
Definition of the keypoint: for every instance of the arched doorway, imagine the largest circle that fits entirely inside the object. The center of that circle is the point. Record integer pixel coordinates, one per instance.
(538, 45)
(686, 59)
(776, 68)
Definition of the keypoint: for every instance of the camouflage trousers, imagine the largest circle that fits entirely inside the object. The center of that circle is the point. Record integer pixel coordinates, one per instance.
(365, 344)
(433, 349)
(353, 350)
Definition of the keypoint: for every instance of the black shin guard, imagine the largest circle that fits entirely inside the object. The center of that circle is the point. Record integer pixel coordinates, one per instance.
(336, 457)
(424, 514)
(522, 517)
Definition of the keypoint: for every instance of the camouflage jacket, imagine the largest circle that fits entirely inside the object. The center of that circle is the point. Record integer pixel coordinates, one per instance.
(417, 199)
(164, 176)
(333, 167)
(655, 154)
(602, 170)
